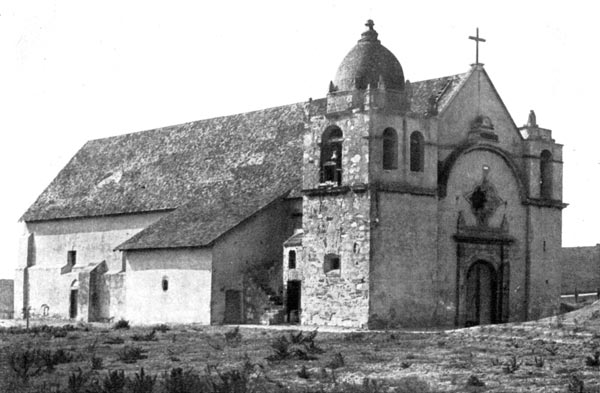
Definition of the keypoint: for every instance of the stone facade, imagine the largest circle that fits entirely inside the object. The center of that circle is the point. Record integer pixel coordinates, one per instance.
(454, 229)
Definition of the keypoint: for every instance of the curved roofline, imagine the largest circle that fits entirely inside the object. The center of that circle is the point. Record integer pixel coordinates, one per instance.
(448, 164)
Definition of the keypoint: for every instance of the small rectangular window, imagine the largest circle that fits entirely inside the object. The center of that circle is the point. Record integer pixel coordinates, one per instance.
(71, 257)
(292, 259)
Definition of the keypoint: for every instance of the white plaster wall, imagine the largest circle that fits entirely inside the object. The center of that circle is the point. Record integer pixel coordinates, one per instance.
(94, 238)
(44, 247)
(187, 299)
(47, 286)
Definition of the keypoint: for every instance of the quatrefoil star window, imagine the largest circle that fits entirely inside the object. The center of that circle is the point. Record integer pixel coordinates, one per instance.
(484, 201)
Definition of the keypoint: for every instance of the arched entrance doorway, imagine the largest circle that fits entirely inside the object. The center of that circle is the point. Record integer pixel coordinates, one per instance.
(481, 294)
(73, 299)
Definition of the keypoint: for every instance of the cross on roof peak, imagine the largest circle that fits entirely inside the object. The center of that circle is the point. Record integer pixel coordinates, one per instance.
(477, 41)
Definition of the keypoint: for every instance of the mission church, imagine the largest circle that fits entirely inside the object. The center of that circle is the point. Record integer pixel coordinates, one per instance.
(387, 203)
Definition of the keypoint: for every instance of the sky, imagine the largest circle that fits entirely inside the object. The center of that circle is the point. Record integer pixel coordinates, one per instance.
(71, 71)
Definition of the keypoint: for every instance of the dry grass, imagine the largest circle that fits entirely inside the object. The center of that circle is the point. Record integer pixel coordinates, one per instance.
(504, 358)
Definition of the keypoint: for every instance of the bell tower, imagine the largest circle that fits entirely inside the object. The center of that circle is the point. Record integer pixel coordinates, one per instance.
(344, 151)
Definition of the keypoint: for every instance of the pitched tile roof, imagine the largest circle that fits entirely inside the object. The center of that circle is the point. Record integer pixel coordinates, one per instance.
(442, 90)
(163, 169)
(213, 173)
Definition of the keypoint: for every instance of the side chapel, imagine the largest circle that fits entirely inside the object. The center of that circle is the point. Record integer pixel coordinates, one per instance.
(388, 203)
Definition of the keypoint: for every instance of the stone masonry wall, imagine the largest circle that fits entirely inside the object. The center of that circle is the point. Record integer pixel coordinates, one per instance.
(336, 225)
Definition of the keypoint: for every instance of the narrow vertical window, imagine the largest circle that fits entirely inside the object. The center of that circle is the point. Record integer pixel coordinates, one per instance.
(546, 175)
(390, 149)
(331, 156)
(417, 152)
(165, 284)
(71, 257)
(292, 259)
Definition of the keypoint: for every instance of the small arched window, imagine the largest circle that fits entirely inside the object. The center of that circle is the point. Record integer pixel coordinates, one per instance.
(331, 156)
(331, 262)
(165, 284)
(417, 152)
(292, 259)
(390, 149)
(546, 175)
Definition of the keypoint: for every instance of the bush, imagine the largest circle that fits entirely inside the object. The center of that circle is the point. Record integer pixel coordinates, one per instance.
(162, 328)
(511, 365)
(131, 354)
(114, 341)
(25, 363)
(336, 362)
(594, 360)
(295, 346)
(303, 373)
(114, 382)
(145, 337)
(121, 324)
(141, 383)
(51, 359)
(178, 381)
(97, 363)
(233, 337)
(77, 381)
(474, 381)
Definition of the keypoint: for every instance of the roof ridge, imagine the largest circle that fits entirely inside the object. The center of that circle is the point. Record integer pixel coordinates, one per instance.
(206, 120)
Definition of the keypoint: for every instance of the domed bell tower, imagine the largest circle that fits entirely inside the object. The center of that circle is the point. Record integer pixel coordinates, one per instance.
(345, 151)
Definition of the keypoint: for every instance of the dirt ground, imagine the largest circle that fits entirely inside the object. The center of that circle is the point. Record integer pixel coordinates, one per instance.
(557, 354)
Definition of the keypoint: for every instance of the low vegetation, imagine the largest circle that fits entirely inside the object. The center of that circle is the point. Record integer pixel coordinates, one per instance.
(165, 359)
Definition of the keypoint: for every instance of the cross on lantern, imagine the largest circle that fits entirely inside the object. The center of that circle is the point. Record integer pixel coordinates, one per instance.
(477, 41)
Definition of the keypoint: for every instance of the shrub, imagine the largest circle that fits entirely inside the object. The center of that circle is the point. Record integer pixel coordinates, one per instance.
(24, 363)
(411, 384)
(295, 346)
(539, 361)
(511, 365)
(178, 381)
(233, 337)
(121, 324)
(50, 359)
(114, 341)
(594, 360)
(131, 354)
(552, 349)
(474, 381)
(337, 361)
(576, 384)
(162, 328)
(303, 373)
(77, 381)
(141, 383)
(114, 382)
(145, 337)
(97, 363)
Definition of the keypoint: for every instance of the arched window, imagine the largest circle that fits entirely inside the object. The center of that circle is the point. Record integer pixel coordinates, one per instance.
(546, 175)
(417, 151)
(331, 156)
(331, 262)
(292, 259)
(165, 284)
(390, 149)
